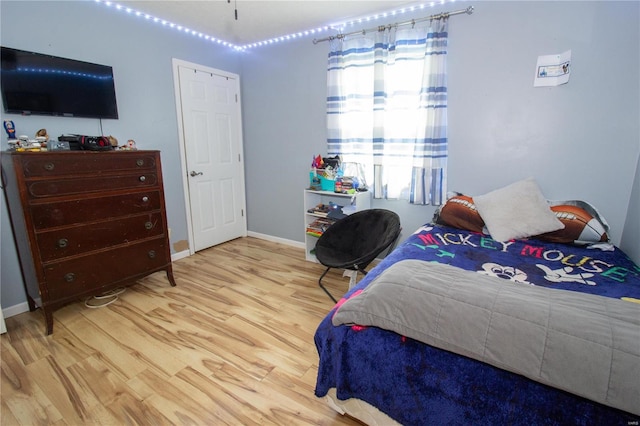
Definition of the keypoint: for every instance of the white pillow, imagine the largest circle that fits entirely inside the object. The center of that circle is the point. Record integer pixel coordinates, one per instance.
(518, 210)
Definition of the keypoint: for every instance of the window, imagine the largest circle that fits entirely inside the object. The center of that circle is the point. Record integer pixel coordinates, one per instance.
(387, 110)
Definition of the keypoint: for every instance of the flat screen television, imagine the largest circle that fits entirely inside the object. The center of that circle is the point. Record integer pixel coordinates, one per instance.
(35, 83)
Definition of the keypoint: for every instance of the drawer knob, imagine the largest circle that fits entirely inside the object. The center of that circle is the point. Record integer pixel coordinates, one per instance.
(145, 199)
(63, 242)
(140, 162)
(148, 225)
(152, 254)
(69, 277)
(49, 166)
(142, 178)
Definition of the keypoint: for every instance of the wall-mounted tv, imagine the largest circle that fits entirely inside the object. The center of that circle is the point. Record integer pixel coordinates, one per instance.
(35, 83)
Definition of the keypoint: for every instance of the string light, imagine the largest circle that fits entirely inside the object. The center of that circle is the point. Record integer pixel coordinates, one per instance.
(333, 27)
(62, 72)
(168, 24)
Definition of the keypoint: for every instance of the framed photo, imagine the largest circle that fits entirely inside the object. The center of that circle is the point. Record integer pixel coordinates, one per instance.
(58, 146)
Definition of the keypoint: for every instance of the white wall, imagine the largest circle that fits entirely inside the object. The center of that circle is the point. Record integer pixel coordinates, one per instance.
(630, 242)
(140, 53)
(581, 140)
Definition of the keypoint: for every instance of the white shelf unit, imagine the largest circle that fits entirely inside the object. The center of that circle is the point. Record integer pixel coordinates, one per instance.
(359, 200)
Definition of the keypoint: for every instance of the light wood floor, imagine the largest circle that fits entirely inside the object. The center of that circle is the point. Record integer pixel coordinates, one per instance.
(231, 344)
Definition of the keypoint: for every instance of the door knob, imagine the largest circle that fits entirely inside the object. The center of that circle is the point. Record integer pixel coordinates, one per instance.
(194, 174)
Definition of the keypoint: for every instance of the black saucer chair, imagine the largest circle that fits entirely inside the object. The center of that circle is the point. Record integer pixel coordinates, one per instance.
(353, 242)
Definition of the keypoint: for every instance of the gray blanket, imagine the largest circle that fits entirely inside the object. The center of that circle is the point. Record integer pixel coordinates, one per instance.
(585, 344)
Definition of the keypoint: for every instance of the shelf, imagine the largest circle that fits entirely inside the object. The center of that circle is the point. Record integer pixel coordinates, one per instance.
(316, 215)
(359, 200)
(333, 194)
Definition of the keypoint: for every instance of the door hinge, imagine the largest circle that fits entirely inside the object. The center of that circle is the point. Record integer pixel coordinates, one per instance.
(236, 98)
(239, 158)
(242, 212)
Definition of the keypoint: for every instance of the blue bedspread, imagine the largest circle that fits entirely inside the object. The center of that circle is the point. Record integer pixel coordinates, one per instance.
(417, 384)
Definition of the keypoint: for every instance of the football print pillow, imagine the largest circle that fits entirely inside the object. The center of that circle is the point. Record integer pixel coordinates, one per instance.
(583, 224)
(460, 212)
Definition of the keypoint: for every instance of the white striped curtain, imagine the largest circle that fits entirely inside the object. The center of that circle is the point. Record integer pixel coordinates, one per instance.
(387, 110)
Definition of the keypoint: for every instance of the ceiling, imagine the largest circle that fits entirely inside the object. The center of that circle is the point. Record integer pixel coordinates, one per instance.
(262, 20)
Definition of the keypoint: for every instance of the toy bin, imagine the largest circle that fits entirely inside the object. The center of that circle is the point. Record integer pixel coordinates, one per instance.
(325, 184)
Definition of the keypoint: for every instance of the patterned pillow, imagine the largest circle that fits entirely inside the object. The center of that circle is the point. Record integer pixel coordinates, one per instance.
(459, 211)
(583, 224)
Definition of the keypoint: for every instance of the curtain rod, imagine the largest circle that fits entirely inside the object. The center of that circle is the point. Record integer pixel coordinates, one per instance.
(468, 11)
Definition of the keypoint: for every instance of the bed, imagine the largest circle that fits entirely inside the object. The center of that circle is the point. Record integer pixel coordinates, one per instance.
(457, 326)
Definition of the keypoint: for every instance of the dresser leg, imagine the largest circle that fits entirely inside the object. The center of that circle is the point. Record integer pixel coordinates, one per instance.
(48, 318)
(172, 280)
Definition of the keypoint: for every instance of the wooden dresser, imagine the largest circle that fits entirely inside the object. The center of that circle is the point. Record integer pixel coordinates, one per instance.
(85, 222)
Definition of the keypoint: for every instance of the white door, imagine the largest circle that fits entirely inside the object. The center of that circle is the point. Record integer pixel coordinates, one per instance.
(212, 138)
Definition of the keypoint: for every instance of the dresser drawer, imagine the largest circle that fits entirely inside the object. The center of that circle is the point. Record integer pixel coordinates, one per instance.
(84, 274)
(85, 222)
(92, 163)
(93, 209)
(58, 187)
(93, 236)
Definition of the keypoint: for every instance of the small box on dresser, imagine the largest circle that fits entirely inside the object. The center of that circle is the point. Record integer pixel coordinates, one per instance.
(85, 222)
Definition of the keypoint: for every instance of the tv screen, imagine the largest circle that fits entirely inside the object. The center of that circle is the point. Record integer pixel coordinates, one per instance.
(34, 83)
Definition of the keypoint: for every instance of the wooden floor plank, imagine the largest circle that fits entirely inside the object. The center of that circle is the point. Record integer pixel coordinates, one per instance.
(66, 395)
(127, 409)
(231, 344)
(22, 400)
(119, 358)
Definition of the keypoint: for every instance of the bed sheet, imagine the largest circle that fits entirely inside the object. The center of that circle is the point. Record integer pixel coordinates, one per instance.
(418, 384)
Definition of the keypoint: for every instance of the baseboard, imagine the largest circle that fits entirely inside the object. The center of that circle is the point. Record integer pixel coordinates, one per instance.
(15, 309)
(180, 255)
(276, 239)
